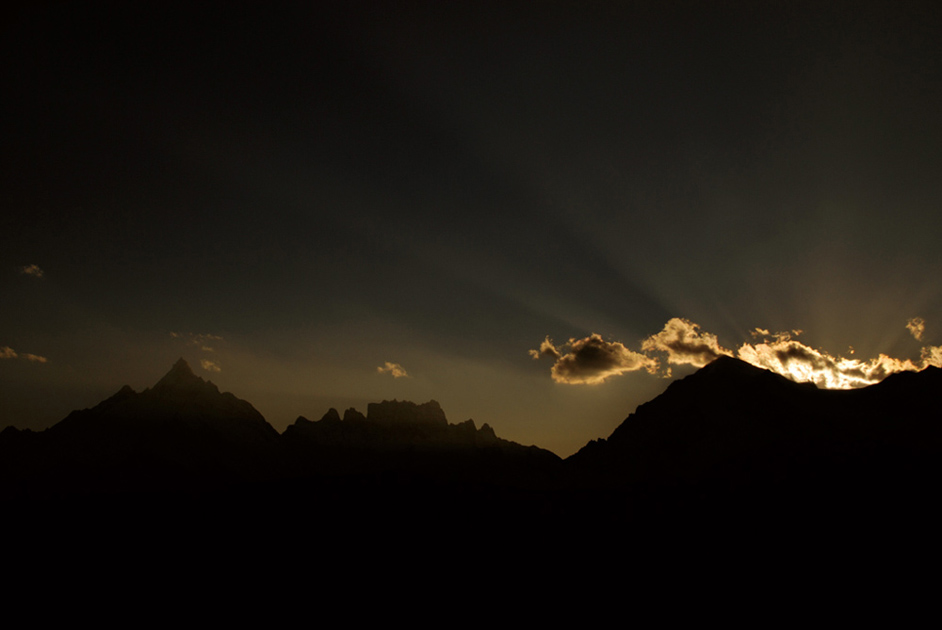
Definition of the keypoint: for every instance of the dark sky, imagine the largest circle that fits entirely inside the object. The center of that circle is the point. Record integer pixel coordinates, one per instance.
(297, 196)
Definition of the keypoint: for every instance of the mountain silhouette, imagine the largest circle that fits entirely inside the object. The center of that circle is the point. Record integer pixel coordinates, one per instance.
(731, 443)
(404, 437)
(185, 436)
(181, 433)
(733, 439)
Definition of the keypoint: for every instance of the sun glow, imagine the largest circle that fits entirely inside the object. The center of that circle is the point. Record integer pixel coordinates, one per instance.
(593, 360)
(804, 364)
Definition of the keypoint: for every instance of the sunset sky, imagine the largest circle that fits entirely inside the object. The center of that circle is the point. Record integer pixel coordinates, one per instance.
(528, 211)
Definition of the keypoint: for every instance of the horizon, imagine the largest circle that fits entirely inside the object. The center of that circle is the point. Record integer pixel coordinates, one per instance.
(451, 421)
(538, 215)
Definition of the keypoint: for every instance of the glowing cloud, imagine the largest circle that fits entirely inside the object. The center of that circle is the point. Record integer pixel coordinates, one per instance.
(547, 349)
(592, 360)
(916, 327)
(932, 355)
(781, 353)
(395, 369)
(685, 344)
(32, 270)
(6, 352)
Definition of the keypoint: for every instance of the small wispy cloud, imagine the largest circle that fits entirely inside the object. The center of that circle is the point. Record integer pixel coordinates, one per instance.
(32, 270)
(546, 349)
(916, 327)
(396, 370)
(6, 352)
(203, 342)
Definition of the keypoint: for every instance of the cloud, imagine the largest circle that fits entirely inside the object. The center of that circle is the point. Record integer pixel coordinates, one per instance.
(932, 355)
(210, 366)
(781, 353)
(916, 326)
(685, 344)
(32, 270)
(201, 340)
(6, 352)
(547, 349)
(395, 369)
(592, 360)
(204, 342)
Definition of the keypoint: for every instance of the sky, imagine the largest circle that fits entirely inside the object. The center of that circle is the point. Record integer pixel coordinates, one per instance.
(536, 213)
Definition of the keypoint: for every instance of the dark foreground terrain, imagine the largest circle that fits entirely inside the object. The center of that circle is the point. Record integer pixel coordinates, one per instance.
(731, 457)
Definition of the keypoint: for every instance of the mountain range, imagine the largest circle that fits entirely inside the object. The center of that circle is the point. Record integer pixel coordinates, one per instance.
(729, 443)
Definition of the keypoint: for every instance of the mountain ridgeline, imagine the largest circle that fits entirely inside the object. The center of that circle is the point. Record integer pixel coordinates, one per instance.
(185, 436)
(729, 440)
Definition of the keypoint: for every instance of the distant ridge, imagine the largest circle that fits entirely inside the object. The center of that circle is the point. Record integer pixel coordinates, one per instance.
(405, 437)
(183, 434)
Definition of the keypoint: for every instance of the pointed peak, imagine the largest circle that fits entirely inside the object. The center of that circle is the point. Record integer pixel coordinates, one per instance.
(181, 367)
(180, 376)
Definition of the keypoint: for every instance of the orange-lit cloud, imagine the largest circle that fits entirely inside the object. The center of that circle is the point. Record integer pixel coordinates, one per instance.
(916, 327)
(6, 352)
(547, 349)
(685, 344)
(592, 360)
(932, 355)
(32, 270)
(396, 370)
(781, 353)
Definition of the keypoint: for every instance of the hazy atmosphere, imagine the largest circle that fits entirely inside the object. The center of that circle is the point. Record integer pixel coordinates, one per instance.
(536, 214)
